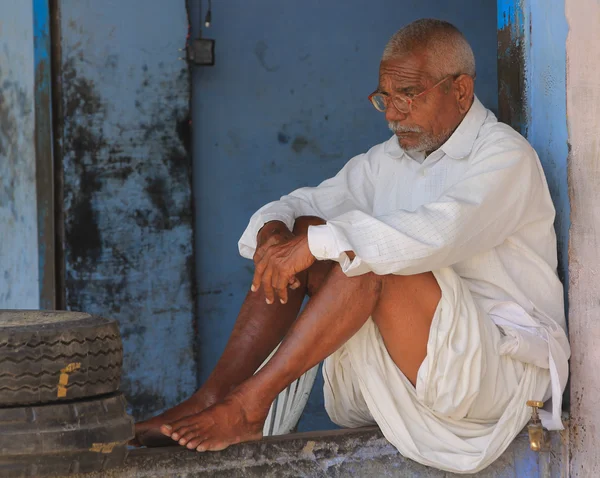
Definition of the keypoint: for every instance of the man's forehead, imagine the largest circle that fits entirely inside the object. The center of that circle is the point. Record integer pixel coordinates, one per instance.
(410, 68)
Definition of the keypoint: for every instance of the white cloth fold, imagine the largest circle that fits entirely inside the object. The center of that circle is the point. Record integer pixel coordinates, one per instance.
(467, 403)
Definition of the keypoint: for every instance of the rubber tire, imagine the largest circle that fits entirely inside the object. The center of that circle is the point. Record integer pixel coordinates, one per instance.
(56, 356)
(64, 438)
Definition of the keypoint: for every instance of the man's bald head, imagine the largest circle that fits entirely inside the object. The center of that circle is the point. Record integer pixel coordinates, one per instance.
(426, 83)
(446, 48)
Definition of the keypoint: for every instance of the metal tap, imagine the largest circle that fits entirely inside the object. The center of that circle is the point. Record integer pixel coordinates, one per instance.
(538, 437)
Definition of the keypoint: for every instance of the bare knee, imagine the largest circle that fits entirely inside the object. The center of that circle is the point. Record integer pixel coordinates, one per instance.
(424, 282)
(303, 222)
(419, 291)
(368, 284)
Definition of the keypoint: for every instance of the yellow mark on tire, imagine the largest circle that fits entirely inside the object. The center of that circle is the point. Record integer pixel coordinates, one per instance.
(63, 380)
(104, 447)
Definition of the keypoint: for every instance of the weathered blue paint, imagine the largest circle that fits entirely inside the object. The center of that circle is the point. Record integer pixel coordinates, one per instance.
(127, 187)
(547, 110)
(41, 32)
(532, 85)
(509, 14)
(512, 63)
(43, 147)
(286, 106)
(532, 38)
(19, 277)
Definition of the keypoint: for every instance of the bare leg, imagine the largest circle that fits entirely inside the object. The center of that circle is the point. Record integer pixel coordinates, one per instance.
(258, 330)
(402, 307)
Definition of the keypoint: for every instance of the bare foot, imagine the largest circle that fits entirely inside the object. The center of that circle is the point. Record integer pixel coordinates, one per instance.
(234, 420)
(147, 433)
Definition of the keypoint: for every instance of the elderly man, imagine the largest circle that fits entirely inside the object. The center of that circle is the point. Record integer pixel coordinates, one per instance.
(430, 263)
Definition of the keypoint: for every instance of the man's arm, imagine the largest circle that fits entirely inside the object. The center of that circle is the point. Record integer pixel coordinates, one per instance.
(498, 194)
(351, 189)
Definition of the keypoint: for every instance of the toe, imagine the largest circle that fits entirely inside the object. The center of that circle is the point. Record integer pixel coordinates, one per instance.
(217, 446)
(181, 427)
(180, 434)
(183, 431)
(195, 442)
(202, 447)
(166, 430)
(190, 434)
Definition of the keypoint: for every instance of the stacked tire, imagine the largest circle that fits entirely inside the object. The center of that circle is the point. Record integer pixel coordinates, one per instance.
(60, 409)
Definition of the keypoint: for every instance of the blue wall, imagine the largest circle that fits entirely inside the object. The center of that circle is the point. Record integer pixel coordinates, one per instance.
(286, 106)
(547, 110)
(532, 49)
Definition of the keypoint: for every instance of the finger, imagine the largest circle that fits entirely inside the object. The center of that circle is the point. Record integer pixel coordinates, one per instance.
(267, 282)
(259, 270)
(262, 250)
(294, 283)
(274, 282)
(280, 283)
(283, 295)
(258, 255)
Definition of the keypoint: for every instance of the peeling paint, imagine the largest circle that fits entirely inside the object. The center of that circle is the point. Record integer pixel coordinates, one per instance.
(127, 189)
(512, 65)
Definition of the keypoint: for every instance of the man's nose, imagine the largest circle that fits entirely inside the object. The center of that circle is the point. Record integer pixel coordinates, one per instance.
(392, 114)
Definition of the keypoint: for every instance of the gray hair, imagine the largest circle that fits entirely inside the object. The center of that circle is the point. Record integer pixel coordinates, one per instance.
(447, 49)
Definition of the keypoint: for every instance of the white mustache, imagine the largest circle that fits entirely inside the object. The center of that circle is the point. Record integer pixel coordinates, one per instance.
(396, 127)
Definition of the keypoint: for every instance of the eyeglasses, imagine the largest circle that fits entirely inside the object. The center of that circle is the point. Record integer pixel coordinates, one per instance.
(401, 102)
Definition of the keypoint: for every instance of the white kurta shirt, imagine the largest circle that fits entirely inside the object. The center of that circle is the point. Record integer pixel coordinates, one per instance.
(479, 204)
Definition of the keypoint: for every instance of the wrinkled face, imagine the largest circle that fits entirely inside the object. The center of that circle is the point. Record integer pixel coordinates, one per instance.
(433, 116)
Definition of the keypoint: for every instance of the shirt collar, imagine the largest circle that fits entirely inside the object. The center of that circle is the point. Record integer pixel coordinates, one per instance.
(460, 144)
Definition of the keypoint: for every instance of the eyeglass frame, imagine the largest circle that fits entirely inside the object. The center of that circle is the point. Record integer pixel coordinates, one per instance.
(406, 100)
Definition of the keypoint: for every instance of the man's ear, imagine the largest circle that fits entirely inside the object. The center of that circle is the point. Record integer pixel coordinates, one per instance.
(464, 88)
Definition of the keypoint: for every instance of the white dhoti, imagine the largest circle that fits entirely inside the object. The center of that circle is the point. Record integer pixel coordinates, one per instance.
(469, 400)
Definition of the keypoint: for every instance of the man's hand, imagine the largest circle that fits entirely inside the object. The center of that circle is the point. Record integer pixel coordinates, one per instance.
(272, 233)
(276, 269)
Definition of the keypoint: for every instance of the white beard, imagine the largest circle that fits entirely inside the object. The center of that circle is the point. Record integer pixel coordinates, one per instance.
(427, 142)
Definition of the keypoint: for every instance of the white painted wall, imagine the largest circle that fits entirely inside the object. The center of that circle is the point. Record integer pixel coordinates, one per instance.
(583, 115)
(19, 283)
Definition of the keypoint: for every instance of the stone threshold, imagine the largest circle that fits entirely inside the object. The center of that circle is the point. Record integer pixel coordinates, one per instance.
(361, 452)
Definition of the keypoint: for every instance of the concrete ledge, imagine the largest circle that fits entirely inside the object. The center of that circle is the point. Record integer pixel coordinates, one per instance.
(360, 452)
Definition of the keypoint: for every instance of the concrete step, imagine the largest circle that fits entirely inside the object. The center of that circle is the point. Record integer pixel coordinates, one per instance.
(362, 452)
